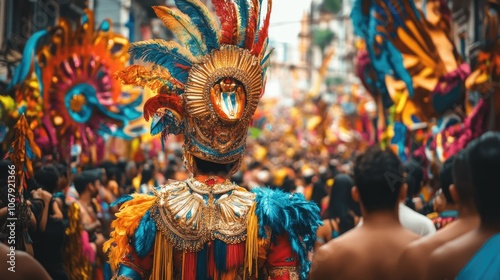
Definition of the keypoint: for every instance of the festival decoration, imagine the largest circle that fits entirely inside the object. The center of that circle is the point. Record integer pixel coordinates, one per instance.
(417, 83)
(65, 87)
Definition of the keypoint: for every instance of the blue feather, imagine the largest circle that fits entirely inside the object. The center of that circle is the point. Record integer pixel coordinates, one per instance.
(167, 122)
(198, 14)
(282, 212)
(166, 55)
(145, 235)
(243, 9)
(29, 57)
(121, 200)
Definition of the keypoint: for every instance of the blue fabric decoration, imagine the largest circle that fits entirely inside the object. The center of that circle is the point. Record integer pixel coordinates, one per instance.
(161, 54)
(292, 214)
(194, 10)
(128, 272)
(220, 255)
(145, 235)
(201, 263)
(442, 103)
(29, 57)
(399, 140)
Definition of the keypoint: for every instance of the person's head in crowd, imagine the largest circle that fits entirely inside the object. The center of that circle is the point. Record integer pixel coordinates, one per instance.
(88, 182)
(341, 204)
(113, 173)
(379, 180)
(484, 162)
(444, 200)
(414, 180)
(64, 171)
(462, 189)
(147, 173)
(48, 178)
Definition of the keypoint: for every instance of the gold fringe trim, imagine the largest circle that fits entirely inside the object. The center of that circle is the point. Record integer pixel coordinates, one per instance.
(252, 244)
(163, 259)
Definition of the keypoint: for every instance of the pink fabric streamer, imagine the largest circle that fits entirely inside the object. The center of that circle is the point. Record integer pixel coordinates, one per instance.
(87, 250)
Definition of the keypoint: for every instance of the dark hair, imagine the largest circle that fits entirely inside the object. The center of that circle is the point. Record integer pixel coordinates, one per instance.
(84, 178)
(446, 179)
(47, 177)
(484, 160)
(462, 178)
(341, 203)
(207, 167)
(113, 173)
(414, 178)
(379, 176)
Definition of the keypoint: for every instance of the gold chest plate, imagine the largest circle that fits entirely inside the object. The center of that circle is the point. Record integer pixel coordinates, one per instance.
(190, 214)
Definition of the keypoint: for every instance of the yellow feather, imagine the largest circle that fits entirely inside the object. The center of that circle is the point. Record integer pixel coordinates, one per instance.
(125, 225)
(183, 28)
(154, 79)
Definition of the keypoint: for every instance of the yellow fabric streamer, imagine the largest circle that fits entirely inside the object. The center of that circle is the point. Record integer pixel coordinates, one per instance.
(128, 219)
(163, 259)
(252, 244)
(76, 265)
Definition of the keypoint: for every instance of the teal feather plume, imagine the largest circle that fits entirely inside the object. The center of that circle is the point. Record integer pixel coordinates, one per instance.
(184, 29)
(243, 13)
(169, 55)
(291, 214)
(145, 235)
(203, 19)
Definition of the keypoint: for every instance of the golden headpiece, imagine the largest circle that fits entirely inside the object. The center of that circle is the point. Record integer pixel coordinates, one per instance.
(207, 86)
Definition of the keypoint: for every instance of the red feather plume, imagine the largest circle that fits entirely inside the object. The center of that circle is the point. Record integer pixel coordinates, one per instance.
(263, 32)
(226, 11)
(253, 17)
(162, 101)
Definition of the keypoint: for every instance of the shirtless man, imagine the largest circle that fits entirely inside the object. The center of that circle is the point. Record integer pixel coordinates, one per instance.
(412, 264)
(87, 183)
(25, 266)
(474, 255)
(372, 250)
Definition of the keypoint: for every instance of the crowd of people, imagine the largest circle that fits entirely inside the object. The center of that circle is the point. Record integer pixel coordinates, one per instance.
(385, 217)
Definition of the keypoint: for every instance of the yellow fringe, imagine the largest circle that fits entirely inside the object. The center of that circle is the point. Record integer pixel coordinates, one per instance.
(76, 265)
(125, 225)
(163, 259)
(252, 244)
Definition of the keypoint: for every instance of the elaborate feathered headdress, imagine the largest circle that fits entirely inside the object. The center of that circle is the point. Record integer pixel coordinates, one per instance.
(209, 84)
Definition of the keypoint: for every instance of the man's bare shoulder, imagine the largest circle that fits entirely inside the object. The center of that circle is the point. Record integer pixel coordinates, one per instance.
(331, 257)
(446, 261)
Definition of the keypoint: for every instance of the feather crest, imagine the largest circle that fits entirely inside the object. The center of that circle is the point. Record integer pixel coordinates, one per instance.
(282, 211)
(242, 14)
(263, 32)
(157, 79)
(183, 28)
(145, 235)
(252, 25)
(226, 11)
(163, 101)
(126, 223)
(203, 19)
(169, 55)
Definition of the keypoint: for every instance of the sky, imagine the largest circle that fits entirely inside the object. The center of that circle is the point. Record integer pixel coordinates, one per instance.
(285, 20)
